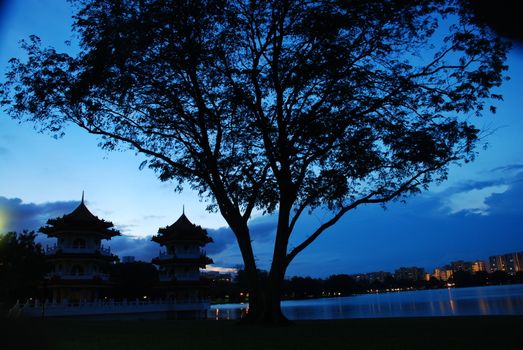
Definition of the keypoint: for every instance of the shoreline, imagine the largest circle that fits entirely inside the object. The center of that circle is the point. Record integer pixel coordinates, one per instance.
(377, 292)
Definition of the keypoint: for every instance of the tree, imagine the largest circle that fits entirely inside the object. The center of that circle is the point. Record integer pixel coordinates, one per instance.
(22, 267)
(278, 106)
(134, 280)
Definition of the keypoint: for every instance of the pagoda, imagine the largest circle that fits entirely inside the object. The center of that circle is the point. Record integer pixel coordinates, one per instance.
(79, 263)
(179, 264)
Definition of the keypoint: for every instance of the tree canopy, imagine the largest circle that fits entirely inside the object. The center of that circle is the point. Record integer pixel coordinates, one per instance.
(278, 106)
(22, 267)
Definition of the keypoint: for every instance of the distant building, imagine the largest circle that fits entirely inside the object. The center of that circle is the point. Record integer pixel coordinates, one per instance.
(496, 263)
(513, 262)
(510, 263)
(461, 265)
(180, 263)
(379, 276)
(409, 273)
(442, 273)
(479, 266)
(79, 262)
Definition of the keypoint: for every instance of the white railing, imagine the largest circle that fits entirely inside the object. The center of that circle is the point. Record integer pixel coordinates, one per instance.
(123, 303)
(107, 307)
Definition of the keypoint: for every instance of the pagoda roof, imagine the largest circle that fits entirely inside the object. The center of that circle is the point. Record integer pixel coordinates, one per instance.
(80, 219)
(182, 231)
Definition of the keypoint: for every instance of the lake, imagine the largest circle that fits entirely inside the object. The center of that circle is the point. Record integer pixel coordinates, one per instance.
(491, 300)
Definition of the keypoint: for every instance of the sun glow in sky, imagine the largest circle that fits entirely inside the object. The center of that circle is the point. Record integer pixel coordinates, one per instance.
(478, 212)
(3, 221)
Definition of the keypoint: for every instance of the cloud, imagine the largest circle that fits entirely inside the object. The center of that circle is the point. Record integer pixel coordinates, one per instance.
(473, 197)
(225, 252)
(469, 185)
(221, 269)
(497, 194)
(31, 216)
(509, 202)
(141, 248)
(124, 228)
(223, 239)
(509, 168)
(262, 230)
(474, 201)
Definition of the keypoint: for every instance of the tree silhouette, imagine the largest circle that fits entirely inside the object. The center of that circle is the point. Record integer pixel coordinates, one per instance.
(277, 106)
(133, 280)
(22, 267)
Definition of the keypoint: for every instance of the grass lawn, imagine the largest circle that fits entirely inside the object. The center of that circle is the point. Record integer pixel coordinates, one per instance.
(494, 332)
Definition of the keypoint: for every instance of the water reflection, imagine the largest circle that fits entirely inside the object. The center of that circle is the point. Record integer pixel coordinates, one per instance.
(228, 311)
(451, 302)
(493, 300)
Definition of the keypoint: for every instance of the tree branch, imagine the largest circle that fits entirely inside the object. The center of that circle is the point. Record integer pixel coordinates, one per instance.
(364, 200)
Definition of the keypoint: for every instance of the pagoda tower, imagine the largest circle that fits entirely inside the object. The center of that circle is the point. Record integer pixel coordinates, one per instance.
(79, 263)
(180, 261)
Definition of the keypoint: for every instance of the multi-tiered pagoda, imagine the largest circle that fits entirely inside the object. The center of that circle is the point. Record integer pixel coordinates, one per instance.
(179, 264)
(79, 262)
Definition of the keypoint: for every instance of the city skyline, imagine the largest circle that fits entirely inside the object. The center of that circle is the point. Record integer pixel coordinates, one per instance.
(451, 265)
(477, 209)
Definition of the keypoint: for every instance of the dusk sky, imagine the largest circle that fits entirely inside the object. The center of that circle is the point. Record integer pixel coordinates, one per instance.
(476, 213)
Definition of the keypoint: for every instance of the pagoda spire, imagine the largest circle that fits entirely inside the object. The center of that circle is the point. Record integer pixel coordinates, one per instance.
(82, 197)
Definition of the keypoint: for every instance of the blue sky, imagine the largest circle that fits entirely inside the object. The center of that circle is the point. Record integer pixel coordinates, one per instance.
(478, 212)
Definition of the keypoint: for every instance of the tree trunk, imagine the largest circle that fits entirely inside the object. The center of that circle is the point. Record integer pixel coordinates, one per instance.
(256, 304)
(264, 296)
(265, 306)
(272, 289)
(272, 314)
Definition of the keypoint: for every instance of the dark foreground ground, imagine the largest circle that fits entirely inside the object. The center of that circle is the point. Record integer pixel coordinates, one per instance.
(394, 333)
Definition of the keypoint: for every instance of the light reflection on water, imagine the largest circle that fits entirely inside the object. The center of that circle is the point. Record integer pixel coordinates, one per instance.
(492, 300)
